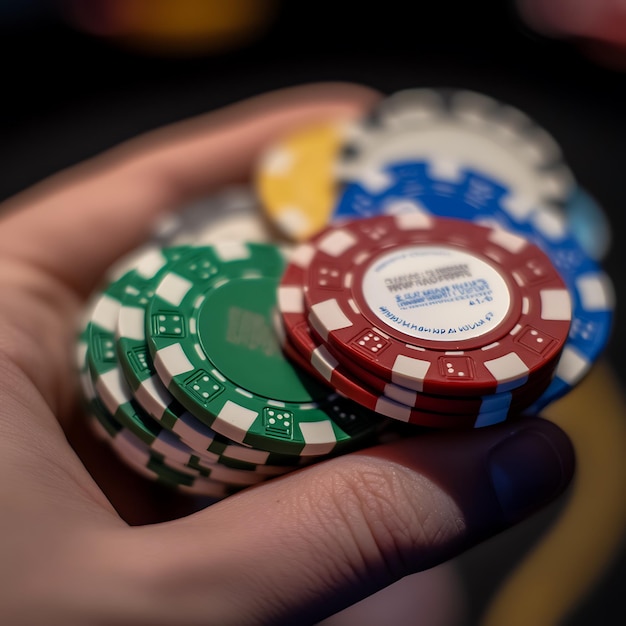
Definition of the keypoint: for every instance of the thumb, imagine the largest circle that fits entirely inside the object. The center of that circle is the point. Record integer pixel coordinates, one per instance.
(306, 545)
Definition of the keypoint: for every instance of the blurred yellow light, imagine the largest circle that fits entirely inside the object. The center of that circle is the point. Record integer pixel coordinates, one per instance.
(180, 27)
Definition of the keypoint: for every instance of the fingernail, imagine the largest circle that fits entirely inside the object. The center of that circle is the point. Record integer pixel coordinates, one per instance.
(530, 468)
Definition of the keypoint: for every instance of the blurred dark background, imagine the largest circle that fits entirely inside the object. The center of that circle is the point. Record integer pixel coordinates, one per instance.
(72, 86)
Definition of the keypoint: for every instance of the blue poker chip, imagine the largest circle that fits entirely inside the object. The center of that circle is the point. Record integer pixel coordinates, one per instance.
(445, 189)
(589, 223)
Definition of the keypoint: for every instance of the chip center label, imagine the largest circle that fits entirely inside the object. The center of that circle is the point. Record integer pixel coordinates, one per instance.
(436, 293)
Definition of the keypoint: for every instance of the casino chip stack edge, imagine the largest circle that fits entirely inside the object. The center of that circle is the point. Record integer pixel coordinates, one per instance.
(427, 266)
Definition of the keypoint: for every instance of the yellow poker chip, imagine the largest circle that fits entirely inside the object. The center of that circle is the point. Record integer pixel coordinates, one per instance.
(296, 181)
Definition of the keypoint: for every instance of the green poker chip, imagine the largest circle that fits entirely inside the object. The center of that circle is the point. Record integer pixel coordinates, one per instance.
(101, 356)
(160, 462)
(109, 383)
(136, 363)
(210, 335)
(121, 418)
(132, 349)
(154, 466)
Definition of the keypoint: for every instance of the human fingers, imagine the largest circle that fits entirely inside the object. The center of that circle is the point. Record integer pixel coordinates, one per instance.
(77, 223)
(62, 235)
(306, 545)
(59, 237)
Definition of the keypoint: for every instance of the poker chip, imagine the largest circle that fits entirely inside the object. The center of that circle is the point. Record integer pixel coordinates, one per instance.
(449, 190)
(134, 452)
(393, 400)
(231, 214)
(133, 353)
(438, 305)
(466, 126)
(147, 387)
(167, 451)
(293, 329)
(154, 467)
(175, 455)
(589, 224)
(295, 179)
(208, 328)
(112, 392)
(108, 380)
(404, 404)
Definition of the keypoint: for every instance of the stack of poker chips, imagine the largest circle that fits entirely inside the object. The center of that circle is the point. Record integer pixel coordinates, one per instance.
(457, 154)
(183, 376)
(418, 266)
(428, 320)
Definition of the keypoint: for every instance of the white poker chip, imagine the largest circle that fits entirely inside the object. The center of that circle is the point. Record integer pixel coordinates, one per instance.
(465, 126)
(231, 214)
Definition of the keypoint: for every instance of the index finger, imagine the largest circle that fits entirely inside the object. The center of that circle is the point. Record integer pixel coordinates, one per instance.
(76, 223)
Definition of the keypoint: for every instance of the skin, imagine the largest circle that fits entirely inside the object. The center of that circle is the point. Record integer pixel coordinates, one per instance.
(85, 541)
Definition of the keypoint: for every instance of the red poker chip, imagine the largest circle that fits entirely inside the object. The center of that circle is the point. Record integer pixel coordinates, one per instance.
(319, 360)
(290, 298)
(306, 341)
(345, 374)
(395, 410)
(439, 305)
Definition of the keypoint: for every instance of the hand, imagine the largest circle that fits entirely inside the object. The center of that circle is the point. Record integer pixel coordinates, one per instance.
(79, 551)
